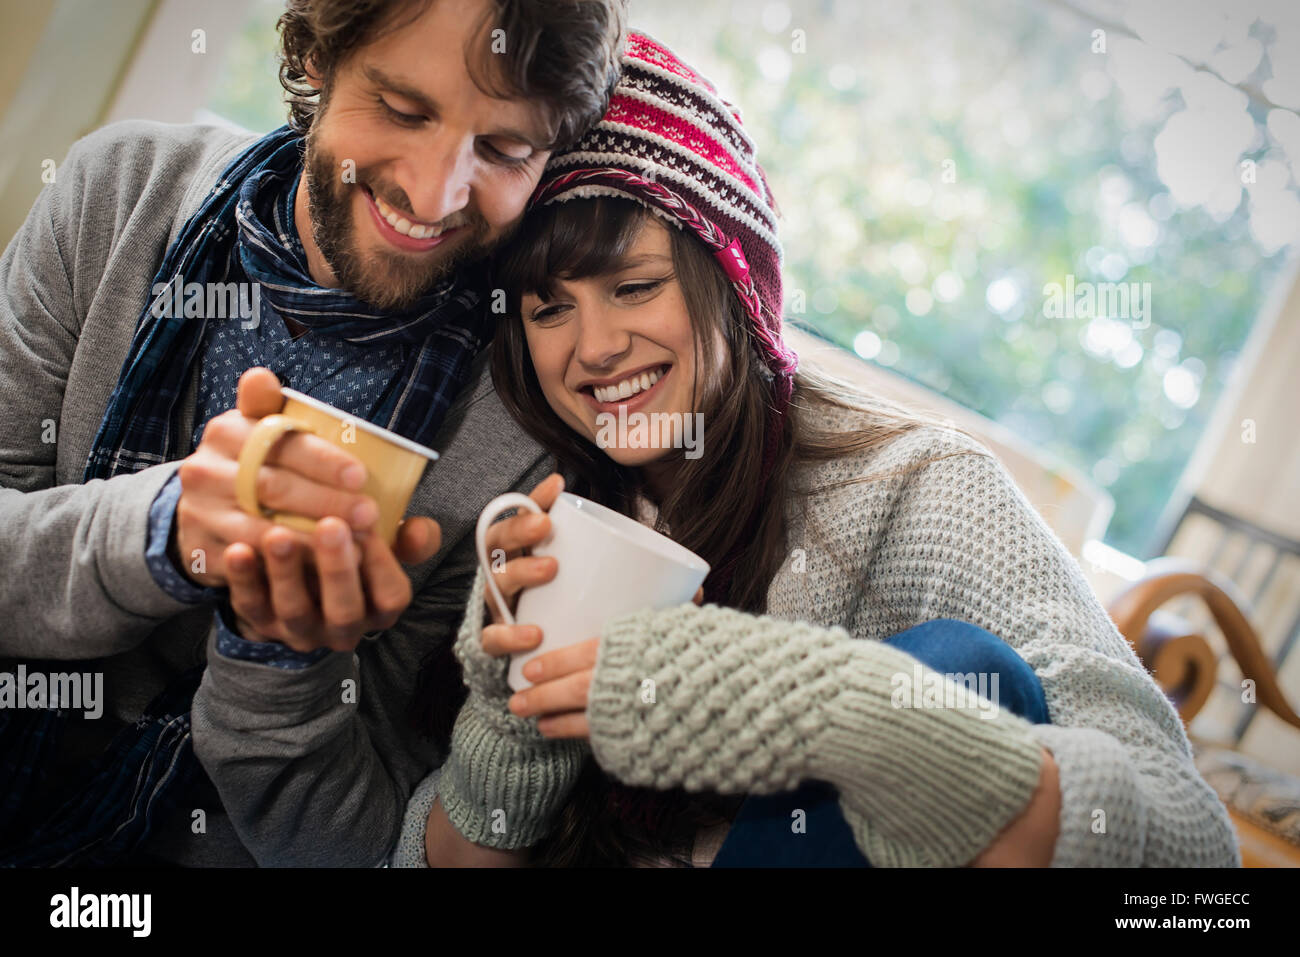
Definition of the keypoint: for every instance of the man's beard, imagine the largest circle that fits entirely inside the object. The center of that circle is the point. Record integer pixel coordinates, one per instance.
(387, 279)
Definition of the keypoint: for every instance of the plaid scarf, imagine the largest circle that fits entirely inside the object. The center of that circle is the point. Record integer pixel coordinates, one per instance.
(446, 327)
(107, 817)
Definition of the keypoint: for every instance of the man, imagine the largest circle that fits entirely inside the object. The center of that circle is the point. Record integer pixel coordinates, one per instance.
(427, 124)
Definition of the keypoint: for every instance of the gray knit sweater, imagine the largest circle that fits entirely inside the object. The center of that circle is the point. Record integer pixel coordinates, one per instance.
(759, 703)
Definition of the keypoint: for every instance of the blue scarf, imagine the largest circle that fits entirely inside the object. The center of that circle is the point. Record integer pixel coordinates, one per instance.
(107, 817)
(447, 327)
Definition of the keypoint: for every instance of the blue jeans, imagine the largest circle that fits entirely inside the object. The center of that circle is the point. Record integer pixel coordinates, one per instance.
(761, 835)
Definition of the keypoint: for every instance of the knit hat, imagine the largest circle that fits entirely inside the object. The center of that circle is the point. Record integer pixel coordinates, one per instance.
(671, 143)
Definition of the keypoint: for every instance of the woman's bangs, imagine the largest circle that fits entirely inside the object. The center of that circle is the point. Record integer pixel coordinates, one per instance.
(572, 240)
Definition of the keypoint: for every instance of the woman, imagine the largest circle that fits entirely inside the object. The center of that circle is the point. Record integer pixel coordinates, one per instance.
(850, 541)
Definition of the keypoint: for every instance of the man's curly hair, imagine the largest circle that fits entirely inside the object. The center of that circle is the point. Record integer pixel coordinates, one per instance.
(563, 53)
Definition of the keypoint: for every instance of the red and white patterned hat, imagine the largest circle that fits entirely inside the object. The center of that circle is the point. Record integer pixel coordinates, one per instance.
(670, 142)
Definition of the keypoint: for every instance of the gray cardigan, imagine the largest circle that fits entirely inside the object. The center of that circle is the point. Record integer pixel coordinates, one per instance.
(301, 776)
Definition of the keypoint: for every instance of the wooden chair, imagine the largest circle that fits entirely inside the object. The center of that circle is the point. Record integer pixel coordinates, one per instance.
(1264, 803)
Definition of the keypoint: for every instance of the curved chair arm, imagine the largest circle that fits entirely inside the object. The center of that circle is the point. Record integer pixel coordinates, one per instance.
(1168, 578)
(1181, 661)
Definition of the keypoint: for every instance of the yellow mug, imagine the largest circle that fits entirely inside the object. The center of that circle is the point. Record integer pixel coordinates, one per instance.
(393, 464)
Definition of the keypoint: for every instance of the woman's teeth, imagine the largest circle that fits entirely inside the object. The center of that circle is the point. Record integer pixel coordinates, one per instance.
(404, 225)
(628, 387)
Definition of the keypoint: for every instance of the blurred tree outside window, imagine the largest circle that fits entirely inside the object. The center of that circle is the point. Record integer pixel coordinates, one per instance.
(1063, 214)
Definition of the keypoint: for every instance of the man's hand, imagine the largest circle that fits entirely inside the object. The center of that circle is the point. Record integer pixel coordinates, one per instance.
(330, 592)
(304, 474)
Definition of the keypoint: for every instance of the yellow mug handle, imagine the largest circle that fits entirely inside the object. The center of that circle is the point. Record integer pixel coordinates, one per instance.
(252, 457)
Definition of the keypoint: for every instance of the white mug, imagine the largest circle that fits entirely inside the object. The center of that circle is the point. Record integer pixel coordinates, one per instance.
(609, 564)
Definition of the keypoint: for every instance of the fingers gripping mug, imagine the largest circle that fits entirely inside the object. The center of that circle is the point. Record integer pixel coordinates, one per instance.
(393, 464)
(608, 565)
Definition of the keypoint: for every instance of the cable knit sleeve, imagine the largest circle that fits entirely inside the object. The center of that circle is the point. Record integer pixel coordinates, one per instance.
(713, 698)
(716, 699)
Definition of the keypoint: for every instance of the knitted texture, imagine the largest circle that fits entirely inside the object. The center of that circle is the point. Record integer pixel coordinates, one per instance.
(502, 781)
(410, 851)
(762, 701)
(671, 143)
(754, 704)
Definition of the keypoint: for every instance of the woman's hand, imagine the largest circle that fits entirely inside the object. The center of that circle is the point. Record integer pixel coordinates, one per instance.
(1030, 840)
(561, 680)
(514, 571)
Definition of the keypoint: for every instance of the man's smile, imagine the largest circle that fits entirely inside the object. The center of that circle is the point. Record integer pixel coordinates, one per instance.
(400, 231)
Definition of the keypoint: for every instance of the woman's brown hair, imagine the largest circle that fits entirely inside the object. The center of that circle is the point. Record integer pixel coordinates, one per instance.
(589, 237)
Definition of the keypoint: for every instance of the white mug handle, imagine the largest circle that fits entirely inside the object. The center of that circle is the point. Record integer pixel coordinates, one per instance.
(495, 508)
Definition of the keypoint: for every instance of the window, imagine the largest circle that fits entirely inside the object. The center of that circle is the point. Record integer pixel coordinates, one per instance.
(247, 91)
(1064, 216)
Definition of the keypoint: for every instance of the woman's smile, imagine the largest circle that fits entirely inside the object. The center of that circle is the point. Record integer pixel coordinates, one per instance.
(635, 391)
(615, 343)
